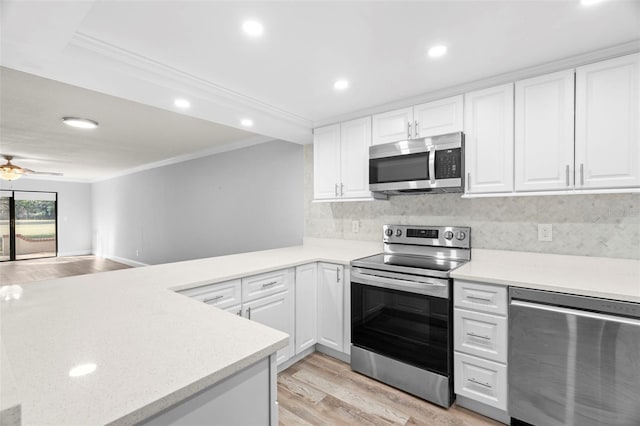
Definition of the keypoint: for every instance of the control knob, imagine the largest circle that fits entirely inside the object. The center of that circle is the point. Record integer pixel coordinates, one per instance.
(389, 232)
(398, 232)
(448, 235)
(460, 235)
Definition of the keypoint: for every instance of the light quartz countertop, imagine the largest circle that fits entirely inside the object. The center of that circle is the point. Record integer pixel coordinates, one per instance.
(151, 346)
(608, 278)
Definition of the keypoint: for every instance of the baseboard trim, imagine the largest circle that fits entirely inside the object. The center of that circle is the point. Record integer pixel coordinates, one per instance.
(483, 409)
(334, 353)
(75, 253)
(296, 358)
(126, 261)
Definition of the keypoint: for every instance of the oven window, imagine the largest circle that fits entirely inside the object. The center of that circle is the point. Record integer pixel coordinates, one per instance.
(402, 168)
(408, 327)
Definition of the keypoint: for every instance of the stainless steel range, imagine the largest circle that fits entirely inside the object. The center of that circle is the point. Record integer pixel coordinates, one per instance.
(401, 309)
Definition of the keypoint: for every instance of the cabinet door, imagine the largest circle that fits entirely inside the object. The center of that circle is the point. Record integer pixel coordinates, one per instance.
(608, 123)
(330, 305)
(544, 132)
(438, 117)
(488, 122)
(326, 162)
(275, 311)
(355, 143)
(306, 306)
(392, 126)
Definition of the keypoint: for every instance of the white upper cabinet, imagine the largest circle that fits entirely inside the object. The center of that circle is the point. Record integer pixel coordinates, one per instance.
(488, 123)
(608, 124)
(341, 160)
(438, 117)
(421, 121)
(544, 132)
(392, 126)
(355, 143)
(326, 162)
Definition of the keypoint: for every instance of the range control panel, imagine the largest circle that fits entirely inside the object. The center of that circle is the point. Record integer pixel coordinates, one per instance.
(443, 236)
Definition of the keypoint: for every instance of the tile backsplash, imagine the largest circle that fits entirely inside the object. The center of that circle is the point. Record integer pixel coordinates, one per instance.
(606, 225)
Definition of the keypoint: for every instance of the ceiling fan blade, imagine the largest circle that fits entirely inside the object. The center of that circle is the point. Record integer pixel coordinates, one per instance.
(32, 172)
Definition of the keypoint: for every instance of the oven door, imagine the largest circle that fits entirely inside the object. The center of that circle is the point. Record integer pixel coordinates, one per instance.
(403, 317)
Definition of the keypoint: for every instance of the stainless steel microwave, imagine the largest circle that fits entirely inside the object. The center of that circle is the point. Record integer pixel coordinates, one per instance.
(434, 164)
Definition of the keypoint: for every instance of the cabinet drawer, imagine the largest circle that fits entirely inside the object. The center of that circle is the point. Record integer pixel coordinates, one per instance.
(221, 295)
(480, 334)
(265, 284)
(480, 297)
(481, 380)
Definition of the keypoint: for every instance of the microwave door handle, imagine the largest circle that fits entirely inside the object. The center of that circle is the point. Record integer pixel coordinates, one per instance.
(432, 165)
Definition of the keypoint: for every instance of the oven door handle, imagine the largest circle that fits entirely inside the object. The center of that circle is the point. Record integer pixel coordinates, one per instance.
(426, 287)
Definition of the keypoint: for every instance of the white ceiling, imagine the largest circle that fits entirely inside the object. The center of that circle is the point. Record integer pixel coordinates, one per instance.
(129, 134)
(154, 51)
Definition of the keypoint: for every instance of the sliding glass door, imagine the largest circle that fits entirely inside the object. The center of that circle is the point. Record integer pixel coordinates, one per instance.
(31, 226)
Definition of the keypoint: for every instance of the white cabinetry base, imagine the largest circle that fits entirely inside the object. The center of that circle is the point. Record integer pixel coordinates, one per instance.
(484, 409)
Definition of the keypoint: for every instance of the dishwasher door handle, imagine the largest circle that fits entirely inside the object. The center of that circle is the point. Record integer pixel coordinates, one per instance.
(577, 312)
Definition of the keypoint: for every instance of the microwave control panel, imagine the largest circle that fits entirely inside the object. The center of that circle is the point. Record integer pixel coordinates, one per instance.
(448, 163)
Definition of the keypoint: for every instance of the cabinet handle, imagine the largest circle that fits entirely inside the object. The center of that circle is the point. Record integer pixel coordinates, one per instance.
(269, 284)
(567, 174)
(342, 189)
(239, 313)
(249, 312)
(581, 174)
(479, 336)
(211, 299)
(416, 131)
(336, 190)
(477, 382)
(469, 181)
(408, 130)
(484, 299)
(337, 274)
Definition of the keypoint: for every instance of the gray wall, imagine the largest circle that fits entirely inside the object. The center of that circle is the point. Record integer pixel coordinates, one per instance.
(238, 201)
(589, 225)
(74, 211)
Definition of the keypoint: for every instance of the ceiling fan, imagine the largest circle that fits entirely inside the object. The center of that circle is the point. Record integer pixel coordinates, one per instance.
(10, 171)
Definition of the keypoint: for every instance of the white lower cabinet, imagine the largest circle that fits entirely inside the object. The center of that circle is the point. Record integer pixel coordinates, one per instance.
(275, 311)
(306, 306)
(331, 306)
(481, 380)
(480, 336)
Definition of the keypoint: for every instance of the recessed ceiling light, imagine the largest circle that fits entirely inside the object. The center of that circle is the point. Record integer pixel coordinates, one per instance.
(182, 103)
(246, 122)
(437, 51)
(253, 28)
(82, 370)
(81, 123)
(341, 84)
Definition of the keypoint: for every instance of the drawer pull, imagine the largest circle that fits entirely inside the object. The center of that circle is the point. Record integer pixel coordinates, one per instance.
(211, 299)
(479, 336)
(486, 385)
(484, 299)
(265, 285)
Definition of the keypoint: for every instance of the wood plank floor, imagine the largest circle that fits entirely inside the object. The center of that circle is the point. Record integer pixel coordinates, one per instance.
(24, 271)
(320, 390)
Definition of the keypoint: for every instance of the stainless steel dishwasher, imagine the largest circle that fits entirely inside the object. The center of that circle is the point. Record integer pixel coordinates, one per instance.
(573, 360)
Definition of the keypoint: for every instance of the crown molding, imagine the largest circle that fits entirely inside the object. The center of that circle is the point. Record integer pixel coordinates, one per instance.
(509, 77)
(232, 146)
(170, 77)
